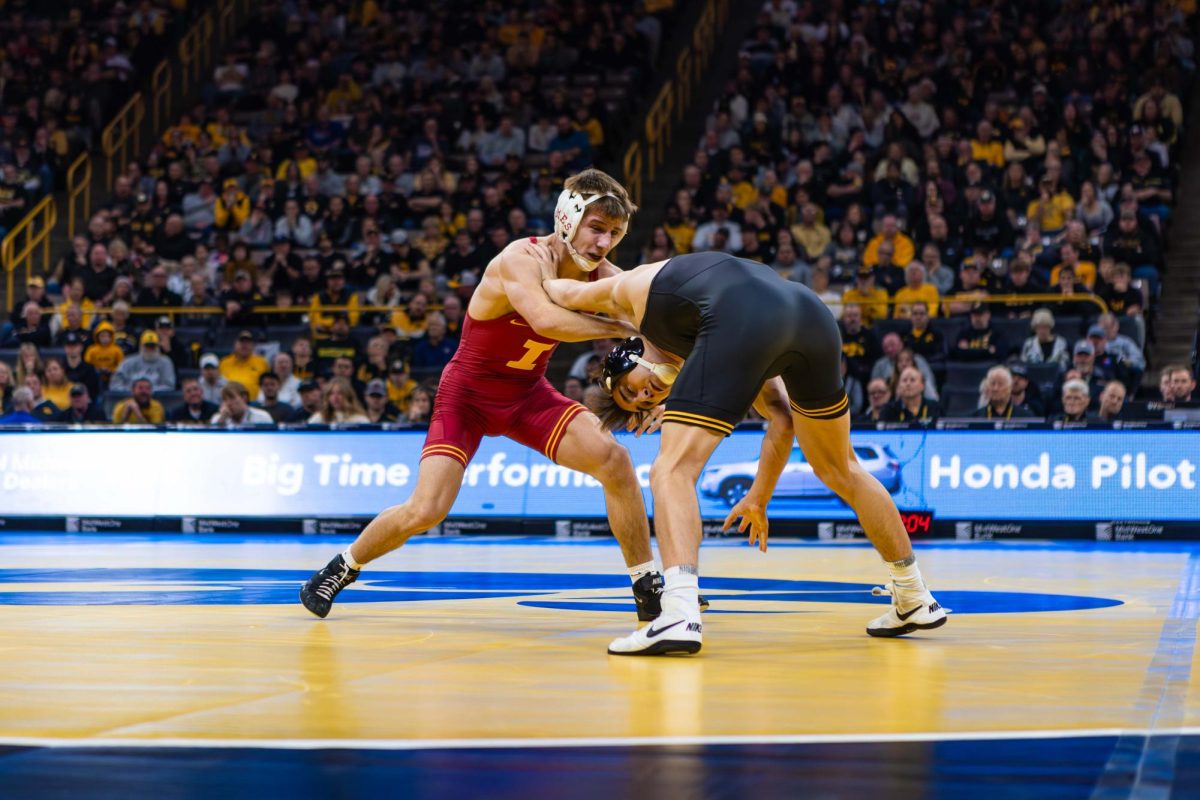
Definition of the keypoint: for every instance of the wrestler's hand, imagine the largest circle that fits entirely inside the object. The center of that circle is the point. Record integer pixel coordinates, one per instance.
(649, 422)
(754, 516)
(539, 250)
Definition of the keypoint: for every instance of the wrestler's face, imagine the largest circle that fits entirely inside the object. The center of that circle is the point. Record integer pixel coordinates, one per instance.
(598, 235)
(640, 390)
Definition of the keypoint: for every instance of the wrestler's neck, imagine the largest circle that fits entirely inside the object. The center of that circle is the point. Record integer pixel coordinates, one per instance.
(566, 266)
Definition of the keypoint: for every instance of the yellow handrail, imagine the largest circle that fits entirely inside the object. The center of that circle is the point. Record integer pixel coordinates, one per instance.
(162, 95)
(226, 24)
(1006, 299)
(633, 172)
(78, 188)
(658, 127)
(125, 128)
(35, 229)
(195, 53)
(683, 82)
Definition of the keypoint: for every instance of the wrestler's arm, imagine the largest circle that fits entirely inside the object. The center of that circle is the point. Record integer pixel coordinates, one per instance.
(772, 403)
(522, 278)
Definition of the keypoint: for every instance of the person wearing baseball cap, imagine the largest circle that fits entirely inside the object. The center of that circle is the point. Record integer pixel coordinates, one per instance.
(79, 371)
(147, 363)
(211, 379)
(243, 365)
(379, 408)
(400, 384)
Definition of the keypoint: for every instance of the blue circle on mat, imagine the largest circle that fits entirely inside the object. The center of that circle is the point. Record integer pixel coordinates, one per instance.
(182, 586)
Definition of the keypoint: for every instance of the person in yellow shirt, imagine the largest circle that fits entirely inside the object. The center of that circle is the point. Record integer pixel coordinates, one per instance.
(811, 234)
(400, 385)
(105, 355)
(1052, 208)
(870, 298)
(75, 297)
(305, 163)
(232, 207)
(141, 408)
(411, 320)
(1085, 271)
(915, 290)
(903, 249)
(985, 147)
(187, 131)
(243, 365)
(345, 95)
(679, 229)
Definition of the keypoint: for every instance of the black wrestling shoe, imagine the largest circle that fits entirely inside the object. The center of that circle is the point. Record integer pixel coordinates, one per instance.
(647, 594)
(317, 595)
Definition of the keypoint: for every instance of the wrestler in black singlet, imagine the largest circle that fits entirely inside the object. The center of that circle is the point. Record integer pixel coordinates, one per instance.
(737, 324)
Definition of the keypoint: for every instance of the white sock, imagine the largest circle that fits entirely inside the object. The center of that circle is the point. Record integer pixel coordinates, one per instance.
(349, 559)
(906, 575)
(681, 592)
(638, 571)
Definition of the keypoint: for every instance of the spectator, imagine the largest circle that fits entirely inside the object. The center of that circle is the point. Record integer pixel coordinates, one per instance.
(720, 233)
(55, 386)
(1084, 363)
(400, 385)
(1075, 399)
(338, 345)
(1108, 362)
(433, 351)
(1024, 392)
(1020, 281)
(240, 300)
(420, 406)
(141, 408)
(1118, 344)
(211, 380)
(860, 347)
(980, 341)
(75, 296)
(339, 405)
(235, 410)
(879, 397)
(334, 294)
(911, 404)
(811, 235)
(268, 390)
(871, 301)
(915, 289)
(34, 328)
(289, 383)
(1130, 243)
(921, 338)
(179, 355)
(573, 389)
(894, 359)
(310, 401)
(379, 409)
(903, 249)
(148, 363)
(996, 396)
(21, 409)
(1045, 347)
(941, 276)
(1120, 297)
(1112, 402)
(244, 366)
(820, 285)
(79, 408)
(1180, 382)
(104, 354)
(1085, 271)
(410, 322)
(77, 369)
(194, 410)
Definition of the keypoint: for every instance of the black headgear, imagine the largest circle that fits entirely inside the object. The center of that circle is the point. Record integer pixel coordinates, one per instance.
(621, 359)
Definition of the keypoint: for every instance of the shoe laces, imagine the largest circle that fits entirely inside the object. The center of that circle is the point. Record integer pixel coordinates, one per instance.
(334, 582)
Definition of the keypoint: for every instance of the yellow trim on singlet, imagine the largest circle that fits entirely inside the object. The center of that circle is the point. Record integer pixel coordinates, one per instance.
(457, 453)
(688, 418)
(828, 411)
(560, 429)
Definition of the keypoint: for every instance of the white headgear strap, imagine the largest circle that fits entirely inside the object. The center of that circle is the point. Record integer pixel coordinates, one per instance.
(667, 373)
(568, 213)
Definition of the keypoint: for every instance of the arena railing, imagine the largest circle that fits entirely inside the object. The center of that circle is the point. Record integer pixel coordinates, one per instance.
(121, 139)
(675, 96)
(32, 232)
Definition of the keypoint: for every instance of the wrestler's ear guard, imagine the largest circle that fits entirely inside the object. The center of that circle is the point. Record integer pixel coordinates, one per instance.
(627, 355)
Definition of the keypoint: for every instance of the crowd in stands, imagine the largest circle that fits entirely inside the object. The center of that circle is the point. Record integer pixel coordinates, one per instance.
(925, 166)
(333, 200)
(65, 67)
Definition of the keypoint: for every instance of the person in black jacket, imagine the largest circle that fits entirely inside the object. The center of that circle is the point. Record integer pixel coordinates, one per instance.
(81, 410)
(194, 410)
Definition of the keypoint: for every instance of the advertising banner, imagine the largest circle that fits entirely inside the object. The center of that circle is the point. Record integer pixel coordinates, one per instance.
(963, 475)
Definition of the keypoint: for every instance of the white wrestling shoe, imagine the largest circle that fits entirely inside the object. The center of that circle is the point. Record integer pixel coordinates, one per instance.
(922, 613)
(670, 633)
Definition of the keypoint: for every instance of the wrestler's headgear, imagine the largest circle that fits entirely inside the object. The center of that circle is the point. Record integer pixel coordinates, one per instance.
(627, 355)
(568, 213)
